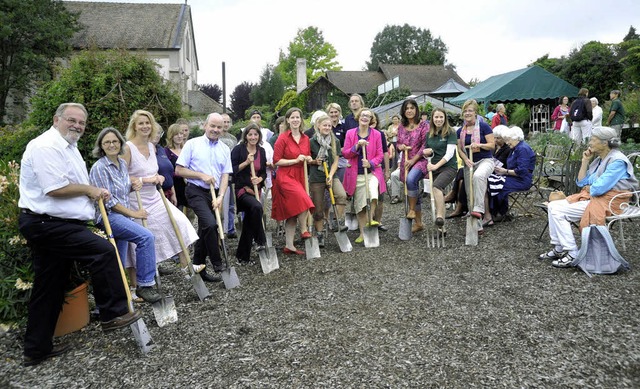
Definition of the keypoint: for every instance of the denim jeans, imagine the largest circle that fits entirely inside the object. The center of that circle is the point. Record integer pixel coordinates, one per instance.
(413, 186)
(126, 230)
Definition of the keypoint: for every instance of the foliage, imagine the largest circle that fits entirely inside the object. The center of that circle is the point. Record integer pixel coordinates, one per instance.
(593, 66)
(520, 115)
(241, 100)
(33, 34)
(289, 100)
(270, 88)
(426, 108)
(310, 45)
(212, 90)
(111, 84)
(631, 104)
(16, 275)
(630, 59)
(406, 45)
(14, 139)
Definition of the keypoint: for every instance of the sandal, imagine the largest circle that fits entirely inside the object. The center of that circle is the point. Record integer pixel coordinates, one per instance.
(488, 223)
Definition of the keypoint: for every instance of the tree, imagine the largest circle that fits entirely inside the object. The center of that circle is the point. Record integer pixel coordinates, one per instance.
(270, 89)
(406, 45)
(241, 100)
(112, 85)
(629, 51)
(213, 91)
(310, 45)
(32, 35)
(593, 66)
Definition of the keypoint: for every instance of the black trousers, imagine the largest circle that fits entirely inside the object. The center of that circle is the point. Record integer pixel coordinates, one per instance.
(55, 244)
(199, 200)
(252, 229)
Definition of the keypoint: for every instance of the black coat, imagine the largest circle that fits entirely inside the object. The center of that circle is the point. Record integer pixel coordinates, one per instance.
(242, 178)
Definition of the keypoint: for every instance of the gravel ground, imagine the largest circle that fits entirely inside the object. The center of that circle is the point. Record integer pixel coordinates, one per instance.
(400, 315)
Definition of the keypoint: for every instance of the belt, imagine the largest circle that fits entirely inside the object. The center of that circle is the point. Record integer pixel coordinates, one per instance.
(27, 211)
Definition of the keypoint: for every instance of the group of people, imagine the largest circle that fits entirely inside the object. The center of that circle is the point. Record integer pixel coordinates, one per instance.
(578, 118)
(349, 155)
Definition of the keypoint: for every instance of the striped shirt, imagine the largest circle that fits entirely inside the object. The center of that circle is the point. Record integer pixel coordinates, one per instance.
(105, 174)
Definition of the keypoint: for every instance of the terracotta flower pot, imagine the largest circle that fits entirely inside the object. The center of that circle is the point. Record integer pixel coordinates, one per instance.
(75, 311)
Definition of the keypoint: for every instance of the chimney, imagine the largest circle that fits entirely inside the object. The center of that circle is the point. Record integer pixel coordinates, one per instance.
(301, 74)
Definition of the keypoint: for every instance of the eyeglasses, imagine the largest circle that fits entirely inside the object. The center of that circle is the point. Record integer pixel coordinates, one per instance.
(107, 143)
(365, 115)
(73, 122)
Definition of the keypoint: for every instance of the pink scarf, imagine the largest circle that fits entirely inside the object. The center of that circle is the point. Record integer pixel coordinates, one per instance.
(475, 135)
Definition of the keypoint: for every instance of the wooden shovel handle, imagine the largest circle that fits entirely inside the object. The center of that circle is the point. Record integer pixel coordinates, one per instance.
(107, 228)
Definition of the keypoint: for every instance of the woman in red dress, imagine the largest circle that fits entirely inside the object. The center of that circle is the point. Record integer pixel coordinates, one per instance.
(290, 200)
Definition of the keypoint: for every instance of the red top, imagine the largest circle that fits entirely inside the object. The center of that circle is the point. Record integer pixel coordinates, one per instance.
(289, 194)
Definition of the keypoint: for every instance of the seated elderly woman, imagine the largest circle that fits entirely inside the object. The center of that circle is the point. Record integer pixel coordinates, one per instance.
(503, 150)
(610, 174)
(515, 176)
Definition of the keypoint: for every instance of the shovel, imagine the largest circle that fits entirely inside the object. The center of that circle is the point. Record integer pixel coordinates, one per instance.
(471, 237)
(311, 245)
(351, 219)
(139, 329)
(371, 238)
(433, 230)
(164, 310)
(267, 235)
(229, 276)
(268, 256)
(341, 236)
(404, 231)
(196, 280)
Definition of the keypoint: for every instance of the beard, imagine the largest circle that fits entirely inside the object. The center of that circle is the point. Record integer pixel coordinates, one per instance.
(73, 136)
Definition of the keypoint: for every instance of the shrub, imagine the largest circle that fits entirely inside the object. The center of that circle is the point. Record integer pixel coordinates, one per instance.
(16, 275)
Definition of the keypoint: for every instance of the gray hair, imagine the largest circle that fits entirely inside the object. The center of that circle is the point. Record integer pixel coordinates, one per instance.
(500, 130)
(594, 100)
(64, 106)
(514, 133)
(97, 148)
(607, 134)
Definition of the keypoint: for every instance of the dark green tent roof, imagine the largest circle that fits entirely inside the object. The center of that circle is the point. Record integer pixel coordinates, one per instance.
(532, 85)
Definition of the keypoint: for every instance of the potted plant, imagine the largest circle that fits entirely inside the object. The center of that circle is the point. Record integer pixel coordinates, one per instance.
(75, 310)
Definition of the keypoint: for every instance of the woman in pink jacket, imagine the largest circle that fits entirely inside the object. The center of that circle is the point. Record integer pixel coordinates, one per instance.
(357, 139)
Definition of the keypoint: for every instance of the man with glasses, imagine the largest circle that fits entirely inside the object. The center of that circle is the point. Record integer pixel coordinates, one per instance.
(56, 202)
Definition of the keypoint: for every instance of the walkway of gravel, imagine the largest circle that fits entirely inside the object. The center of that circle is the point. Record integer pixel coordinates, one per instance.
(400, 315)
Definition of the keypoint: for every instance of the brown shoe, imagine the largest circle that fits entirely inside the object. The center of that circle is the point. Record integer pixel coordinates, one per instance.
(411, 214)
(417, 227)
(55, 351)
(121, 321)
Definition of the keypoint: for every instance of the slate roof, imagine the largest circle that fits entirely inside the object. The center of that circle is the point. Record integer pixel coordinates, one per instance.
(419, 79)
(351, 82)
(130, 26)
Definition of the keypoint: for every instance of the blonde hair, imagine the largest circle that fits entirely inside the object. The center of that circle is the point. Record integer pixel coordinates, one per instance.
(172, 131)
(131, 129)
(316, 126)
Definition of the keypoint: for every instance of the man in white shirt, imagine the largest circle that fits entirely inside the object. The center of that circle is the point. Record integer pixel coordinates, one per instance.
(56, 202)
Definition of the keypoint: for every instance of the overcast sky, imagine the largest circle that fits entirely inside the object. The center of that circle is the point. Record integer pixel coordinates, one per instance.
(484, 38)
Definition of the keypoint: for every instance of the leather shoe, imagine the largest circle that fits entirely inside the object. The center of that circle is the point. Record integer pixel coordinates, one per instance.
(55, 351)
(210, 277)
(232, 235)
(289, 251)
(148, 294)
(121, 321)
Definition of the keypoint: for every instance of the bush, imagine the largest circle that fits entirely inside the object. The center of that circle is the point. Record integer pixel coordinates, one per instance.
(111, 84)
(16, 275)
(14, 139)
